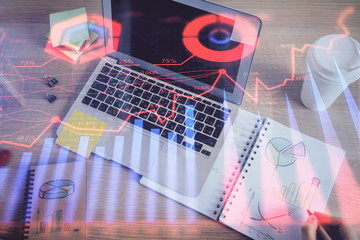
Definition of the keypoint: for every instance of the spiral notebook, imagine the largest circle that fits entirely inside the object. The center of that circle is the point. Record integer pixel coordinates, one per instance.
(265, 179)
(56, 202)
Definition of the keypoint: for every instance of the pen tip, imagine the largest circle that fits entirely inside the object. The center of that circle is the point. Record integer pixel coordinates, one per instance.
(308, 211)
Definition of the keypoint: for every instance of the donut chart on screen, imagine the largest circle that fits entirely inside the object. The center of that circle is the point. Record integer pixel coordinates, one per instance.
(192, 43)
(56, 189)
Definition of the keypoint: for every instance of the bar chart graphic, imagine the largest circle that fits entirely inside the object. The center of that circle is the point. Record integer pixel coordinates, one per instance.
(281, 152)
(299, 195)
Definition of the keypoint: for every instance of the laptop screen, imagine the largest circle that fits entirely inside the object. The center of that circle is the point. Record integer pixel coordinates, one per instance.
(188, 46)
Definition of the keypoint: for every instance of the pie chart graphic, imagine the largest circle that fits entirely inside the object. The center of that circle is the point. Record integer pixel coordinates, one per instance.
(282, 152)
(55, 189)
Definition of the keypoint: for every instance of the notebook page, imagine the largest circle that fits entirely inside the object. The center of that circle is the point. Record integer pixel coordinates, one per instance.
(287, 173)
(58, 202)
(225, 169)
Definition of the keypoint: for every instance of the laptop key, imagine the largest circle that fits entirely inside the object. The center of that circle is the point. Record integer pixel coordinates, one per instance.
(110, 100)
(129, 88)
(94, 103)
(221, 115)
(121, 86)
(189, 133)
(144, 104)
(112, 111)
(153, 107)
(178, 138)
(161, 111)
(191, 102)
(198, 126)
(216, 106)
(123, 115)
(155, 99)
(219, 124)
(152, 118)
(99, 86)
(180, 118)
(206, 102)
(121, 76)
(186, 144)
(127, 97)
(171, 125)
(217, 132)
(155, 89)
(181, 109)
(209, 110)
(146, 95)
(126, 107)
(207, 153)
(113, 82)
(210, 120)
(163, 92)
(135, 101)
(164, 102)
(110, 90)
(200, 117)
(138, 92)
(197, 146)
(86, 100)
(130, 79)
(118, 94)
(101, 96)
(200, 106)
(181, 100)
(105, 70)
(205, 139)
(113, 73)
(146, 86)
(208, 130)
(103, 78)
(92, 93)
(180, 129)
(144, 114)
(135, 110)
(103, 107)
(118, 103)
(161, 122)
(167, 134)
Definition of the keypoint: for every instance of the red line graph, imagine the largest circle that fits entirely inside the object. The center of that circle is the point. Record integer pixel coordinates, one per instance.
(221, 72)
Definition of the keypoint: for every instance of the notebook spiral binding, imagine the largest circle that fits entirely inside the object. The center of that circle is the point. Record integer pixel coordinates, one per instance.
(28, 193)
(244, 163)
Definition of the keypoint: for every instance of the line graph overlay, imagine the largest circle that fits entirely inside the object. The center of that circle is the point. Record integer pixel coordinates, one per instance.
(254, 97)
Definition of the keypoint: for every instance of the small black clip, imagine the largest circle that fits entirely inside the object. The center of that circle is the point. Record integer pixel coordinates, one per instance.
(51, 81)
(50, 97)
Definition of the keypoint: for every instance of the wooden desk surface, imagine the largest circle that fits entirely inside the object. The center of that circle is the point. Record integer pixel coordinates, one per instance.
(287, 26)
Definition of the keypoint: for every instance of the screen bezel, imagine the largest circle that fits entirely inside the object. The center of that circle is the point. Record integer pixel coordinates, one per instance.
(216, 94)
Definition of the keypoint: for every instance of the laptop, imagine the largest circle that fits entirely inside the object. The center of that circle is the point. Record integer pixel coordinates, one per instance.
(169, 87)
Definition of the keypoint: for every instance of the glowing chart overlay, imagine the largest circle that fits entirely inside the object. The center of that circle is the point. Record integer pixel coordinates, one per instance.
(56, 189)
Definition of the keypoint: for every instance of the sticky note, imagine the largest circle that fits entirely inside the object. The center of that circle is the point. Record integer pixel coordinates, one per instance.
(81, 133)
(69, 27)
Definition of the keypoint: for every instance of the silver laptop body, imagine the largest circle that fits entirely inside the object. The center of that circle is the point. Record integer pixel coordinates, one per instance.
(178, 161)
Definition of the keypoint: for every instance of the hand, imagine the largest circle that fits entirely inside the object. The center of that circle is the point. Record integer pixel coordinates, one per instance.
(336, 228)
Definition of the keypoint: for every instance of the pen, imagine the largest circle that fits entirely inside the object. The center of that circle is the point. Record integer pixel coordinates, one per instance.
(321, 230)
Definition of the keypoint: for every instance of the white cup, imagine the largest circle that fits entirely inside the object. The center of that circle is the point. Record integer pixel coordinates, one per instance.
(329, 61)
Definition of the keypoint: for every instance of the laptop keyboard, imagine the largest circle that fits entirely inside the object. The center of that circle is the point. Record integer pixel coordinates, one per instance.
(171, 113)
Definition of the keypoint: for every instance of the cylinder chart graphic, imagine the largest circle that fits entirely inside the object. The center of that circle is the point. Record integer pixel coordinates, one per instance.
(55, 189)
